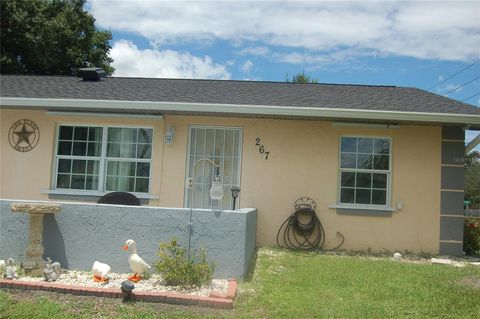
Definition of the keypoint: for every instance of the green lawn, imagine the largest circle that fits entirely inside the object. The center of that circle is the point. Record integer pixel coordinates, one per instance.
(297, 285)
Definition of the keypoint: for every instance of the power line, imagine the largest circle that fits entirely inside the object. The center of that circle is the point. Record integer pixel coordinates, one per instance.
(451, 76)
(460, 86)
(468, 98)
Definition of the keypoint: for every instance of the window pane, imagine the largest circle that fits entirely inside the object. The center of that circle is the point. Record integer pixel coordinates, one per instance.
(364, 161)
(79, 148)
(93, 167)
(64, 148)
(229, 142)
(381, 162)
(78, 181)
(64, 166)
(128, 150)
(63, 181)
(113, 150)
(347, 160)
(349, 144)
(129, 135)
(95, 134)
(114, 134)
(200, 143)
(144, 151)
(79, 166)
(363, 196)
(219, 142)
(380, 181)
(379, 197)
(127, 168)
(365, 145)
(66, 132)
(80, 133)
(94, 149)
(125, 184)
(145, 136)
(348, 179)
(141, 185)
(143, 169)
(91, 183)
(347, 195)
(364, 180)
(382, 146)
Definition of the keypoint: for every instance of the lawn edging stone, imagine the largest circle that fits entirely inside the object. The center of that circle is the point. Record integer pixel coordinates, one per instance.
(214, 300)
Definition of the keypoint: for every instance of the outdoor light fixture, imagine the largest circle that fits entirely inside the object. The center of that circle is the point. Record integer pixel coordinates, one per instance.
(127, 288)
(169, 135)
(235, 192)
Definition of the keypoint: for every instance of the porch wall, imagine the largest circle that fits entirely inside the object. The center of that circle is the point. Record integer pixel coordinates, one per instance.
(82, 233)
(303, 161)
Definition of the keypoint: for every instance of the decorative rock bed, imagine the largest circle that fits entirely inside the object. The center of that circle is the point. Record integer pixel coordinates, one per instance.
(219, 294)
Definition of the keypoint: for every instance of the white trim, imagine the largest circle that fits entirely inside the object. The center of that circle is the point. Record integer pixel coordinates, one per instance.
(88, 114)
(367, 125)
(314, 111)
(372, 171)
(79, 192)
(363, 207)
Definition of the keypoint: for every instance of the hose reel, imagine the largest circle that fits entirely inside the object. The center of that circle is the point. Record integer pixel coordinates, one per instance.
(303, 230)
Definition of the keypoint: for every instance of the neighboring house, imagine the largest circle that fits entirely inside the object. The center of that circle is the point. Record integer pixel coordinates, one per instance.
(383, 163)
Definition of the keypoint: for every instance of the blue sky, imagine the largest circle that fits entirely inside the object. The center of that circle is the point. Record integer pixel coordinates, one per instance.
(415, 44)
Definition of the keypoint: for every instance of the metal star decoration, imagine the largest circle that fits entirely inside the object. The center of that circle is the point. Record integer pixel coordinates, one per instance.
(23, 135)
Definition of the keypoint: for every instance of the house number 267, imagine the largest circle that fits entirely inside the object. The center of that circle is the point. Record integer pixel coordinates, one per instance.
(261, 148)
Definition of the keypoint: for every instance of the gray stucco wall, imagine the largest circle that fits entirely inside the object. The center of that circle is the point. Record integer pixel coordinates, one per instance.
(82, 233)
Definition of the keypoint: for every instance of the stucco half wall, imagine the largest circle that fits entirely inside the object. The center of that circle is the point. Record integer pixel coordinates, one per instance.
(81, 233)
(303, 161)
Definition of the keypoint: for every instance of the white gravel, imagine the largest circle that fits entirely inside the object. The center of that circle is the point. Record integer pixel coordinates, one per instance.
(154, 283)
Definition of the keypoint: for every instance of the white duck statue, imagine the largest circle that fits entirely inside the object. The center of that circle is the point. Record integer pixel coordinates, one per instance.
(2, 266)
(137, 264)
(52, 270)
(10, 270)
(101, 272)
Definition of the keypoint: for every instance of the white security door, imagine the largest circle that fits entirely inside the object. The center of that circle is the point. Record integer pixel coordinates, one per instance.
(214, 154)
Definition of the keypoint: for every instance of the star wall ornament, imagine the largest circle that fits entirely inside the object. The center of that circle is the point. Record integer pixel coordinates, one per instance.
(23, 135)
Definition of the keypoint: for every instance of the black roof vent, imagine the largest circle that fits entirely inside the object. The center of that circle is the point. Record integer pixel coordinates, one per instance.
(91, 74)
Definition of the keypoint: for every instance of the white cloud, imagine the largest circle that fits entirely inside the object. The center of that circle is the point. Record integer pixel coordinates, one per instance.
(434, 29)
(260, 51)
(247, 66)
(129, 61)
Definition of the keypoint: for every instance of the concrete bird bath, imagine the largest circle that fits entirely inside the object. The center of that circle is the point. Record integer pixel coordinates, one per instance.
(34, 262)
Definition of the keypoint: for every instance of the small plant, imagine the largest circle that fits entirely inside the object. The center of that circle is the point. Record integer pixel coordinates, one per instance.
(179, 270)
(471, 236)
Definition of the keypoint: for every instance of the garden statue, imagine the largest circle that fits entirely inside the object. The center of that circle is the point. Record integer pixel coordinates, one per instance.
(11, 270)
(101, 272)
(52, 270)
(137, 264)
(2, 266)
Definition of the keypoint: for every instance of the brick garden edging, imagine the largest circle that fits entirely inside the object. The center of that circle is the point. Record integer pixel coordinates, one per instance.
(214, 300)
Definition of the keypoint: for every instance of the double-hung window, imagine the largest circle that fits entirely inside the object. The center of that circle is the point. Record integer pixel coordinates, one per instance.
(365, 170)
(103, 159)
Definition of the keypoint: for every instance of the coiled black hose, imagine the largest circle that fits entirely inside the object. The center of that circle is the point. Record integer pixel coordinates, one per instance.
(303, 230)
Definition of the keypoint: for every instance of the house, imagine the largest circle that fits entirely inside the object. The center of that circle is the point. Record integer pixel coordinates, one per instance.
(383, 163)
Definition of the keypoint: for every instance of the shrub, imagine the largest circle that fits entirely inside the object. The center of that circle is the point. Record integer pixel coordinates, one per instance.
(179, 270)
(471, 236)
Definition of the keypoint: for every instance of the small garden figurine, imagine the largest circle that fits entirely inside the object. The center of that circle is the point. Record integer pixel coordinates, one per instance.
(52, 270)
(10, 270)
(101, 272)
(2, 266)
(137, 264)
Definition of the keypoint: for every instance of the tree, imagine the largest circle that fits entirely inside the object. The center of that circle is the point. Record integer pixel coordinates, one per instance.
(300, 78)
(51, 37)
(472, 178)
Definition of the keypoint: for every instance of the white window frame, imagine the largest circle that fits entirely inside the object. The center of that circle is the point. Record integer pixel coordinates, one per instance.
(240, 152)
(387, 205)
(101, 190)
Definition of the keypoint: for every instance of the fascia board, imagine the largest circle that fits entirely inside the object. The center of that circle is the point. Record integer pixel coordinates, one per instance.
(110, 105)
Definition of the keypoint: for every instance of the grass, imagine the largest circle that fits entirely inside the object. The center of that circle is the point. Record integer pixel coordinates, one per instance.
(295, 285)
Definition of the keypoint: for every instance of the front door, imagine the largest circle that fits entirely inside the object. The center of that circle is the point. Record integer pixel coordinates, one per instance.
(214, 154)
